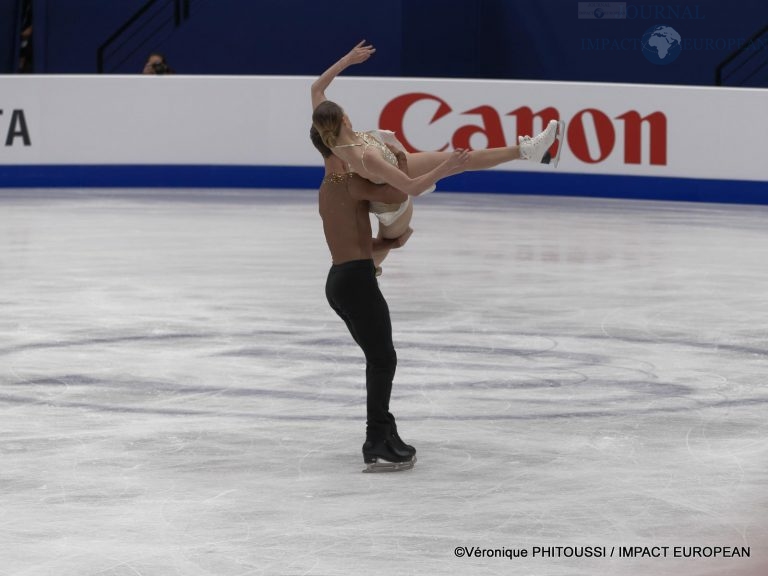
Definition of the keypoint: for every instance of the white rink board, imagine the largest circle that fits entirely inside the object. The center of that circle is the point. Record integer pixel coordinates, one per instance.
(710, 133)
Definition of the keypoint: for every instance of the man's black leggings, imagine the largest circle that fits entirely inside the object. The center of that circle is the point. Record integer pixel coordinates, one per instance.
(353, 292)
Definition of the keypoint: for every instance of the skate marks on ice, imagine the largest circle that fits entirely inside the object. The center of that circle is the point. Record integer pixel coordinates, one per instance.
(177, 398)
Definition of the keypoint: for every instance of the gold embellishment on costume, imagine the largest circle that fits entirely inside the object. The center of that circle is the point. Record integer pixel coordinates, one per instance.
(371, 140)
(336, 178)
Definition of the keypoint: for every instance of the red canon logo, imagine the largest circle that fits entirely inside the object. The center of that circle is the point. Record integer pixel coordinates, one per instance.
(490, 126)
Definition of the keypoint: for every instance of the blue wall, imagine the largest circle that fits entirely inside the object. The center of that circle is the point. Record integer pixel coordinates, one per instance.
(8, 22)
(451, 38)
(547, 40)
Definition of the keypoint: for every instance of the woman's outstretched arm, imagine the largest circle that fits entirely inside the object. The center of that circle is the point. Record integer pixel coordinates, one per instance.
(357, 55)
(380, 169)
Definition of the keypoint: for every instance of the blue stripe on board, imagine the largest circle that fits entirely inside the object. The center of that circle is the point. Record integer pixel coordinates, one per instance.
(159, 176)
(488, 181)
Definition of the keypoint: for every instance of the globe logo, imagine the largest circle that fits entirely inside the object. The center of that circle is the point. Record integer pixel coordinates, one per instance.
(599, 13)
(661, 45)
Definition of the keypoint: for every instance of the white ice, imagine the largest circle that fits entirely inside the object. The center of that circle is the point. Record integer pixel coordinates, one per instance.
(177, 398)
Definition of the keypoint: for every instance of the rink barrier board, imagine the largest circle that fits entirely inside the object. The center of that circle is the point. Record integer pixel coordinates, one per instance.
(309, 177)
(623, 141)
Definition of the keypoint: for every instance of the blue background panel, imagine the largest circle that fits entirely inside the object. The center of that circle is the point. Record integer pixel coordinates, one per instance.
(512, 39)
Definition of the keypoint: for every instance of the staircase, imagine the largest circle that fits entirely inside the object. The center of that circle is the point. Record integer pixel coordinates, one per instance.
(747, 66)
(152, 24)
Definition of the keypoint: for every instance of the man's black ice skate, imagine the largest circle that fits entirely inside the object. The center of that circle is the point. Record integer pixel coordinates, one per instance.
(382, 456)
(398, 444)
(395, 441)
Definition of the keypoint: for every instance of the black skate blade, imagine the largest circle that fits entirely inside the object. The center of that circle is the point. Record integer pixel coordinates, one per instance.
(383, 466)
(559, 139)
(547, 158)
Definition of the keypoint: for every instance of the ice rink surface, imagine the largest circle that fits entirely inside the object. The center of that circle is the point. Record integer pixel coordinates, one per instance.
(177, 398)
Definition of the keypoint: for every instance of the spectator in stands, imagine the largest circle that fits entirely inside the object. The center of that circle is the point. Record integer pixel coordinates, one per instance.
(156, 64)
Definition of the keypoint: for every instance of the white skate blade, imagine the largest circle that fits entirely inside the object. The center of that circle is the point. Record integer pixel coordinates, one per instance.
(384, 466)
(559, 140)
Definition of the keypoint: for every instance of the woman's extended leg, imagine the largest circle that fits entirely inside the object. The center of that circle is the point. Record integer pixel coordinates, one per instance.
(391, 232)
(399, 226)
(422, 162)
(531, 149)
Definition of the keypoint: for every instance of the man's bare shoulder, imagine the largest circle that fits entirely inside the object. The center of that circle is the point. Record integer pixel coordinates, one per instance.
(336, 189)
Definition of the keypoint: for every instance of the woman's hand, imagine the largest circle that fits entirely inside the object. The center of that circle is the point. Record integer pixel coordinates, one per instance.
(457, 161)
(402, 159)
(359, 53)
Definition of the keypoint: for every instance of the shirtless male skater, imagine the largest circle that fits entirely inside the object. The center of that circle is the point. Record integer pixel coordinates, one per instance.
(353, 292)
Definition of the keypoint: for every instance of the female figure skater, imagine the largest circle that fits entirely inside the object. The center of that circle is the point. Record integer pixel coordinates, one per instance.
(366, 154)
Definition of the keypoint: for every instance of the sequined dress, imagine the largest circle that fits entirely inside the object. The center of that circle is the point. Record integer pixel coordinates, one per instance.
(386, 213)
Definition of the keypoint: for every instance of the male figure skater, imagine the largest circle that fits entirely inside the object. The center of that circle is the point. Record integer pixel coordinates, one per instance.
(353, 292)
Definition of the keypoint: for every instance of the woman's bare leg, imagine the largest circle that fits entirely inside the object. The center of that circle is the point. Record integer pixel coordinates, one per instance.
(422, 162)
(391, 232)
(535, 148)
(399, 226)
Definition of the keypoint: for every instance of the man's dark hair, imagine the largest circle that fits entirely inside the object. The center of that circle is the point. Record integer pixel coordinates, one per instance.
(314, 135)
